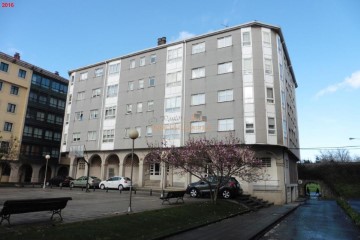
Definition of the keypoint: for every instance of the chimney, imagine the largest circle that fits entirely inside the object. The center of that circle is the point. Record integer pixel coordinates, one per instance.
(17, 56)
(161, 41)
(57, 73)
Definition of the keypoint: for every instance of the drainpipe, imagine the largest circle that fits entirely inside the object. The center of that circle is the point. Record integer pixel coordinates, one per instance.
(284, 175)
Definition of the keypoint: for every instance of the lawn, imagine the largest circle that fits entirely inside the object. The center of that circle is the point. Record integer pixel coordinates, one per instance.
(144, 225)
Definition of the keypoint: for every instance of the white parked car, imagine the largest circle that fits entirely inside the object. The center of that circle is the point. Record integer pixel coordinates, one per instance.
(116, 182)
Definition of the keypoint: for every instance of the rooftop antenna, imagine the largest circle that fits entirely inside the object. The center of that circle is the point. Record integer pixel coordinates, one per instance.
(225, 25)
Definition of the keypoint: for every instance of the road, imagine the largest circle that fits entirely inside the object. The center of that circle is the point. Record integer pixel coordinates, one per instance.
(315, 219)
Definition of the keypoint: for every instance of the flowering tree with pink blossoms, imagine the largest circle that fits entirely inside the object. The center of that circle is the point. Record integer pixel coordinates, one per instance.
(203, 157)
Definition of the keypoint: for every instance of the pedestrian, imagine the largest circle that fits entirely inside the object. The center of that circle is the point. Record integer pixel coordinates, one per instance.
(317, 192)
(307, 191)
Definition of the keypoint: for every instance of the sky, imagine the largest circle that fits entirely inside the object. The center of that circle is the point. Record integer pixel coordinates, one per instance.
(322, 37)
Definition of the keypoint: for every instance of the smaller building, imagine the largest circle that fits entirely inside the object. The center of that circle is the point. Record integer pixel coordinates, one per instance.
(32, 105)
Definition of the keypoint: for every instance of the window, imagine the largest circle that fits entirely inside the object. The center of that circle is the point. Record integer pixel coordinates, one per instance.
(79, 116)
(59, 120)
(91, 136)
(63, 88)
(149, 131)
(40, 116)
(153, 58)
(28, 131)
(141, 84)
(22, 73)
(14, 90)
(139, 107)
(33, 97)
(114, 68)
(173, 104)
(246, 39)
(42, 99)
(173, 79)
(172, 131)
(83, 76)
(198, 48)
(110, 112)
(138, 129)
(224, 42)
(198, 72)
(198, 99)
(94, 114)
(96, 92)
(226, 124)
(55, 86)
(174, 55)
(50, 118)
(142, 61)
(197, 127)
(249, 125)
(55, 152)
(128, 108)
(38, 133)
(247, 65)
(265, 162)
(131, 86)
(266, 38)
(152, 82)
(127, 132)
(76, 137)
(99, 72)
(225, 95)
(57, 136)
(36, 79)
(61, 104)
(150, 105)
(48, 135)
(53, 102)
(271, 125)
(112, 90)
(248, 94)
(225, 68)
(4, 67)
(108, 135)
(268, 66)
(270, 95)
(155, 169)
(11, 108)
(80, 96)
(45, 83)
(132, 63)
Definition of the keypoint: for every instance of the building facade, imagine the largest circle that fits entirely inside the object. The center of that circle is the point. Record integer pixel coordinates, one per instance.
(32, 106)
(237, 80)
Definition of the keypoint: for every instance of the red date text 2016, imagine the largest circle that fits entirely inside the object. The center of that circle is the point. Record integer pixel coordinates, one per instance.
(7, 4)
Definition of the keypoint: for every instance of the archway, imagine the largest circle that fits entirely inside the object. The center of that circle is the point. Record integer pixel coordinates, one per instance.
(63, 171)
(25, 173)
(127, 168)
(5, 169)
(42, 173)
(95, 166)
(112, 169)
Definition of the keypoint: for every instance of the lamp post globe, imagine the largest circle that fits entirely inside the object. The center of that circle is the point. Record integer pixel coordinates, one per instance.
(133, 134)
(47, 157)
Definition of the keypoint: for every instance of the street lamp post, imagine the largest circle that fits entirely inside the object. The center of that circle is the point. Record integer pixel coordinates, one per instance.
(47, 157)
(133, 134)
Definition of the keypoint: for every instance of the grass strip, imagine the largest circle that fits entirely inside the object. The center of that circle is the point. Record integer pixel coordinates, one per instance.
(144, 225)
(354, 215)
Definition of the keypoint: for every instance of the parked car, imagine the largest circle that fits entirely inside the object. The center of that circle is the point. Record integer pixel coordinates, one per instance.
(81, 182)
(229, 188)
(116, 182)
(60, 181)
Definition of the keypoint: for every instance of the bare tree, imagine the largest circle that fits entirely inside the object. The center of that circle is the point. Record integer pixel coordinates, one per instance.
(221, 158)
(337, 155)
(9, 151)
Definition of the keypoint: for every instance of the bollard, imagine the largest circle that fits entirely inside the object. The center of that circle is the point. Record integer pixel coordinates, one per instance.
(120, 191)
(50, 185)
(61, 186)
(150, 192)
(82, 188)
(94, 188)
(135, 191)
(107, 189)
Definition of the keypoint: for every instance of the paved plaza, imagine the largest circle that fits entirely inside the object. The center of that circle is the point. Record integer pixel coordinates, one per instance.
(84, 205)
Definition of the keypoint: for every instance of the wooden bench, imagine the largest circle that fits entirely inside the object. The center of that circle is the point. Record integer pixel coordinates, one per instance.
(179, 195)
(33, 205)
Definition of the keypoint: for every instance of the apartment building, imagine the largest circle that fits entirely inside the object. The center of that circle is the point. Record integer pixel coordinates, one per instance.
(32, 106)
(237, 80)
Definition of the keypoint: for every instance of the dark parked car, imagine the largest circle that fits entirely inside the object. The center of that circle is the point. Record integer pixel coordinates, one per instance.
(229, 187)
(60, 181)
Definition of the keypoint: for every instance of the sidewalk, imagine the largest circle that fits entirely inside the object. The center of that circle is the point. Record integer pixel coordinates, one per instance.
(247, 226)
